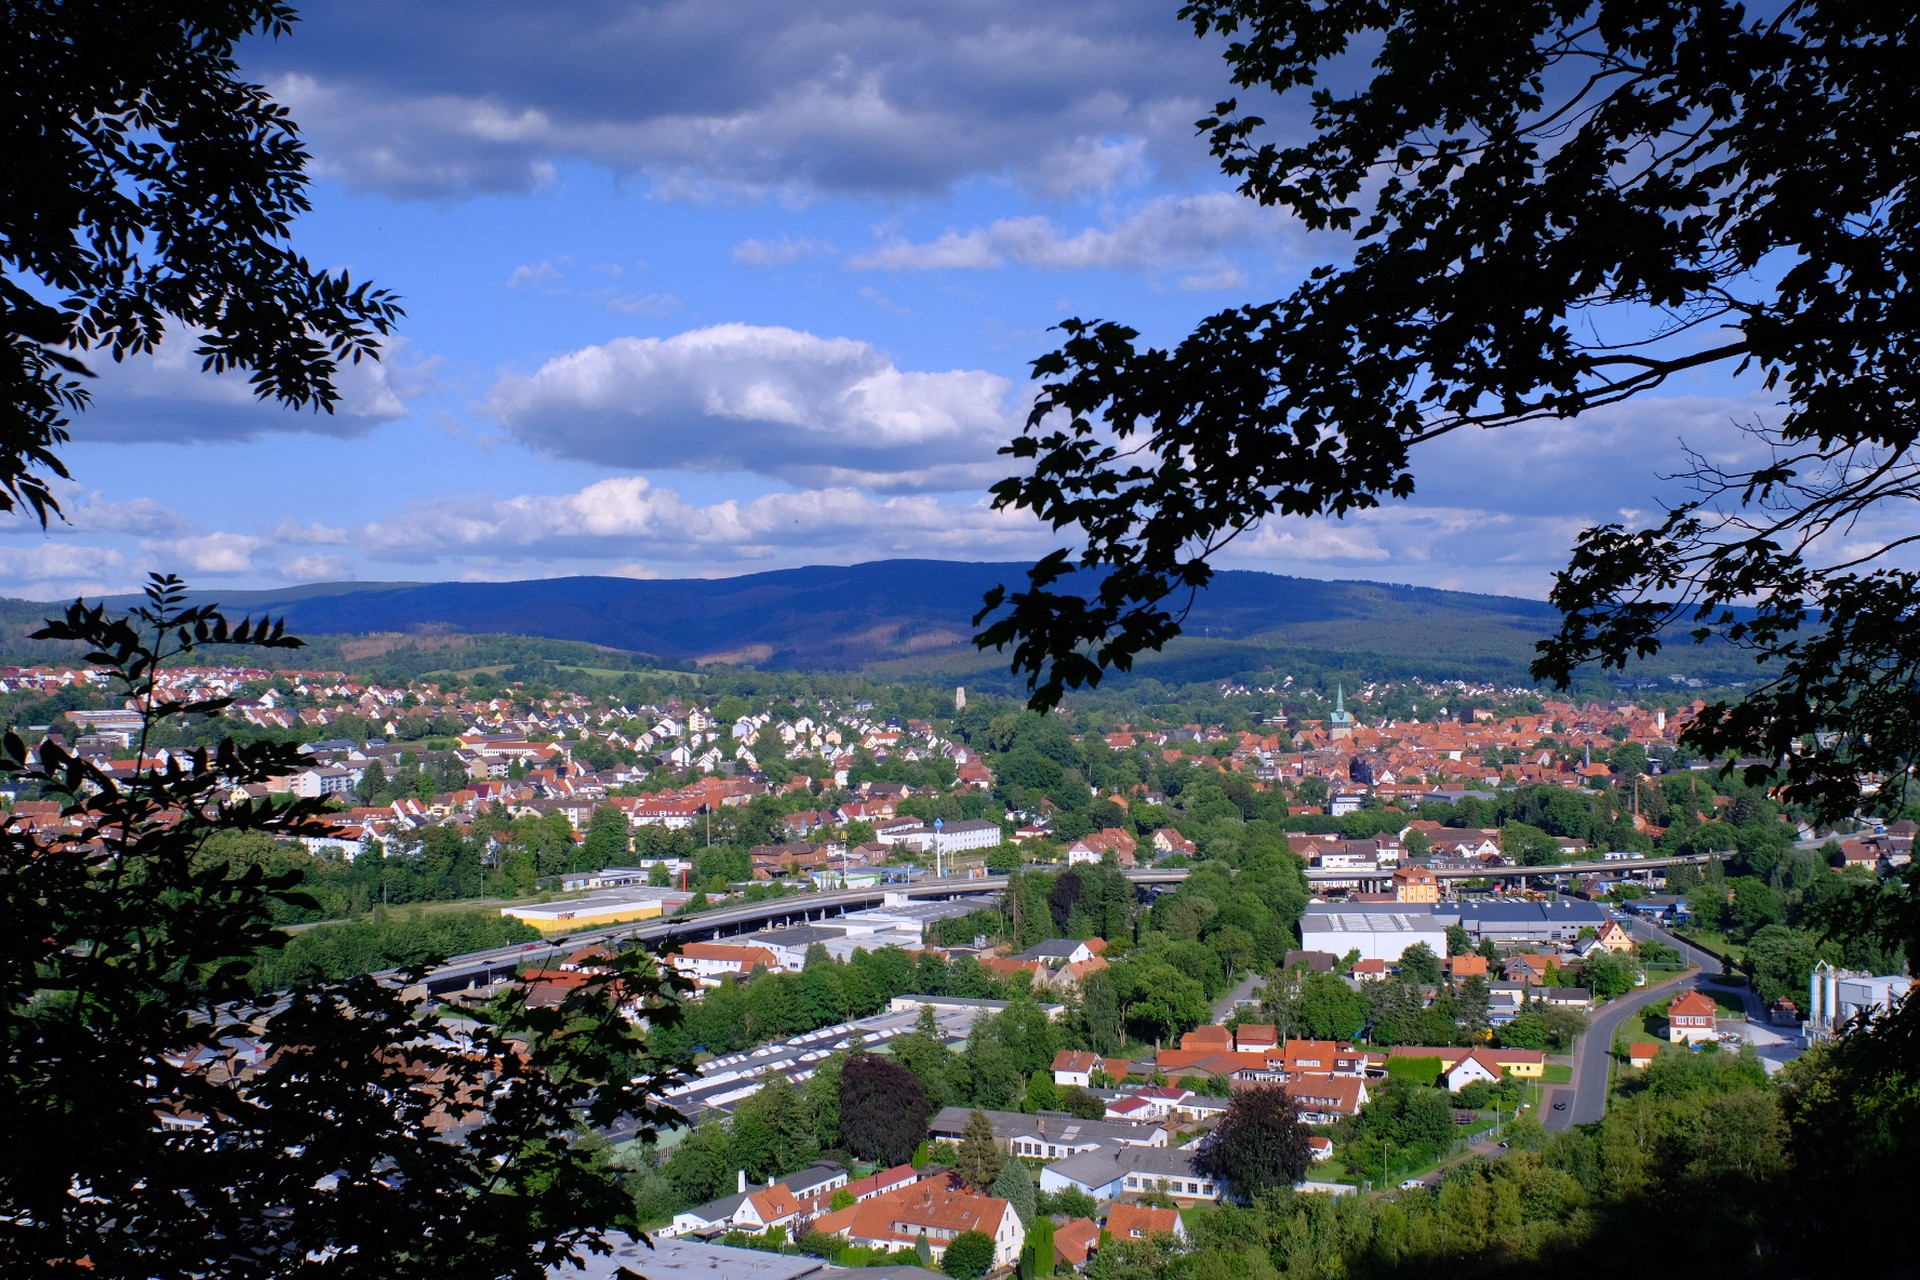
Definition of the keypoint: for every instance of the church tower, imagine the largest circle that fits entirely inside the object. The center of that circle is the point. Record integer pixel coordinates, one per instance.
(1341, 721)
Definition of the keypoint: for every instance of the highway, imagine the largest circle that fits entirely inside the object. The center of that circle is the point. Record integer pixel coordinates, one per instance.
(479, 967)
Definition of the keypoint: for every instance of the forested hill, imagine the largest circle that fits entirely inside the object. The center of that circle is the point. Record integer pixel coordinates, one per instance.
(906, 618)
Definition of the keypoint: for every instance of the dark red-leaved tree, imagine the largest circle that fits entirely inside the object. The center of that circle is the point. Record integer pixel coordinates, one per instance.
(883, 1109)
(1258, 1145)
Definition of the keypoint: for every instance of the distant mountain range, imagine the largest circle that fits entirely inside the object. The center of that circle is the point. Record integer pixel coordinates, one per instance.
(905, 618)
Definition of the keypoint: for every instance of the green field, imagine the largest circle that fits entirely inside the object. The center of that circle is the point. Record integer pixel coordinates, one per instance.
(1559, 1073)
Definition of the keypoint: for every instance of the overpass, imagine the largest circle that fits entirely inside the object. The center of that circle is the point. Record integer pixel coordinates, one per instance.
(1356, 876)
(480, 967)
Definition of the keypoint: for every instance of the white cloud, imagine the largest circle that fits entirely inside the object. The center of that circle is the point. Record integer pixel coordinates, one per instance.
(166, 396)
(643, 304)
(535, 275)
(215, 553)
(778, 252)
(775, 401)
(1163, 234)
(318, 568)
(630, 520)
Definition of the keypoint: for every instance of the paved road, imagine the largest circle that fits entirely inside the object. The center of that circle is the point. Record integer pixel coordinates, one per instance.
(1224, 1006)
(1586, 1096)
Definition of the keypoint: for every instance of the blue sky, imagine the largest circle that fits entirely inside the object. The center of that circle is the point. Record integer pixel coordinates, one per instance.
(699, 289)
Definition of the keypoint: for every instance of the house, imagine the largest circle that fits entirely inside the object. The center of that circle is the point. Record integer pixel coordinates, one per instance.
(709, 962)
(1474, 1066)
(1415, 884)
(1523, 1064)
(1613, 936)
(1076, 1067)
(1255, 1037)
(765, 1209)
(1074, 1241)
(1321, 1057)
(1641, 1053)
(1320, 1147)
(1370, 969)
(938, 1209)
(1095, 847)
(1109, 1172)
(1050, 1135)
(1530, 967)
(1470, 965)
(1691, 1017)
(1327, 1099)
(1129, 1221)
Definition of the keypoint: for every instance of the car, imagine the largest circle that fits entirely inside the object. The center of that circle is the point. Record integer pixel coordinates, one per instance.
(1504, 1145)
(1559, 1106)
(531, 946)
(1412, 1184)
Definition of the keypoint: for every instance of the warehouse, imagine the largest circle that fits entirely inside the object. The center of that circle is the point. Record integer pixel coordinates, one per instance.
(1555, 921)
(1375, 934)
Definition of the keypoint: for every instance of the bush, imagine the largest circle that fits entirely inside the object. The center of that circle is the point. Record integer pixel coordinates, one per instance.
(968, 1256)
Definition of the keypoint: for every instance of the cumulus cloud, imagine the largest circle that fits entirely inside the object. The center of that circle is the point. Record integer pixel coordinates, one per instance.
(854, 96)
(775, 401)
(166, 396)
(318, 568)
(1163, 234)
(646, 528)
(92, 512)
(214, 553)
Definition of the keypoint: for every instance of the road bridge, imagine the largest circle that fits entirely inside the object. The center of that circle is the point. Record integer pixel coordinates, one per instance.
(481, 967)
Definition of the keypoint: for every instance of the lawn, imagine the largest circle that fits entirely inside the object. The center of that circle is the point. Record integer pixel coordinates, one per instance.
(1559, 1073)
(1714, 941)
(1730, 1002)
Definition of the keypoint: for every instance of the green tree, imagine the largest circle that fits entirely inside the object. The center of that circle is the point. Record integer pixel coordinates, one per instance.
(1608, 974)
(979, 1157)
(1420, 966)
(1015, 1185)
(969, 1255)
(608, 839)
(1780, 961)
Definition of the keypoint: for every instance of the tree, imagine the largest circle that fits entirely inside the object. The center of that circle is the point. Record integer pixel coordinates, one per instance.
(1040, 1250)
(1495, 212)
(979, 1157)
(1420, 966)
(1015, 1185)
(969, 1255)
(1780, 961)
(126, 975)
(883, 1110)
(1258, 1145)
(1608, 974)
(164, 187)
(608, 839)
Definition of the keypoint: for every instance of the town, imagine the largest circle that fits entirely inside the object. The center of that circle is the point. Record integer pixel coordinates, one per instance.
(1425, 925)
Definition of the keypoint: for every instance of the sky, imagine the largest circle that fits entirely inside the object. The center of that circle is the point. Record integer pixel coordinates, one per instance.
(697, 289)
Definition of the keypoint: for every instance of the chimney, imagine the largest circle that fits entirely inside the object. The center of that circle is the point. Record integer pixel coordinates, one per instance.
(742, 1188)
